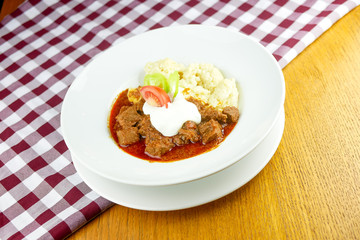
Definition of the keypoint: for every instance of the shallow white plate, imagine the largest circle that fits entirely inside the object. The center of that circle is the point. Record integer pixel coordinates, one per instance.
(185, 195)
(88, 101)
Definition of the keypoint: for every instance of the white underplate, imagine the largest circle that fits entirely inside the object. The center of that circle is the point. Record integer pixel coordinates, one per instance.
(89, 99)
(186, 195)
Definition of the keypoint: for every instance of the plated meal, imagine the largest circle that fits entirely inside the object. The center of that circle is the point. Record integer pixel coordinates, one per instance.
(205, 72)
(179, 112)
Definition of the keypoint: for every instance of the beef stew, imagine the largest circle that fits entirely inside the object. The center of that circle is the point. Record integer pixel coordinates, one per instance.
(133, 132)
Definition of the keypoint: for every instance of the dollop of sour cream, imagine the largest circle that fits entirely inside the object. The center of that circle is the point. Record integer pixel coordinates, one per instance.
(169, 120)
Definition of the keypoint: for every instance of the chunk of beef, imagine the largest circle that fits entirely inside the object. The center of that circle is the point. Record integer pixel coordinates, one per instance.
(139, 106)
(186, 136)
(188, 133)
(232, 114)
(116, 126)
(208, 112)
(147, 130)
(128, 116)
(159, 147)
(123, 109)
(210, 131)
(190, 125)
(156, 144)
(152, 135)
(212, 113)
(144, 125)
(128, 136)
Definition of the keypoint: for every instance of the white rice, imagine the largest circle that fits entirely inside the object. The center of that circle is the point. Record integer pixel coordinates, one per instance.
(202, 81)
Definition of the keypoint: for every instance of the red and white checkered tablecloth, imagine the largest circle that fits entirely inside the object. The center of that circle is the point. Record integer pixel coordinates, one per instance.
(44, 45)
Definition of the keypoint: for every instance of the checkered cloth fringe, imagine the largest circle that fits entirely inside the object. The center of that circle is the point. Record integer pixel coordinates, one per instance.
(44, 45)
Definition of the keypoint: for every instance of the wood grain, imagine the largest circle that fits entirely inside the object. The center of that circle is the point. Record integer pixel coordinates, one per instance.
(309, 190)
(9, 6)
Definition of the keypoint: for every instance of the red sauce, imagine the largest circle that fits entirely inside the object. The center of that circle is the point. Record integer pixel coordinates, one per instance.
(176, 153)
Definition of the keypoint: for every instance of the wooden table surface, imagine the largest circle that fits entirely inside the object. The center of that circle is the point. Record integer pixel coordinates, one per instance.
(311, 187)
(8, 7)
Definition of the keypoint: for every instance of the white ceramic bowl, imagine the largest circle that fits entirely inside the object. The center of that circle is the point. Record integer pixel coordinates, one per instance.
(89, 99)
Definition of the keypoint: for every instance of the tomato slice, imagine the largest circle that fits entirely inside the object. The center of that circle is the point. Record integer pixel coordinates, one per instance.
(155, 96)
